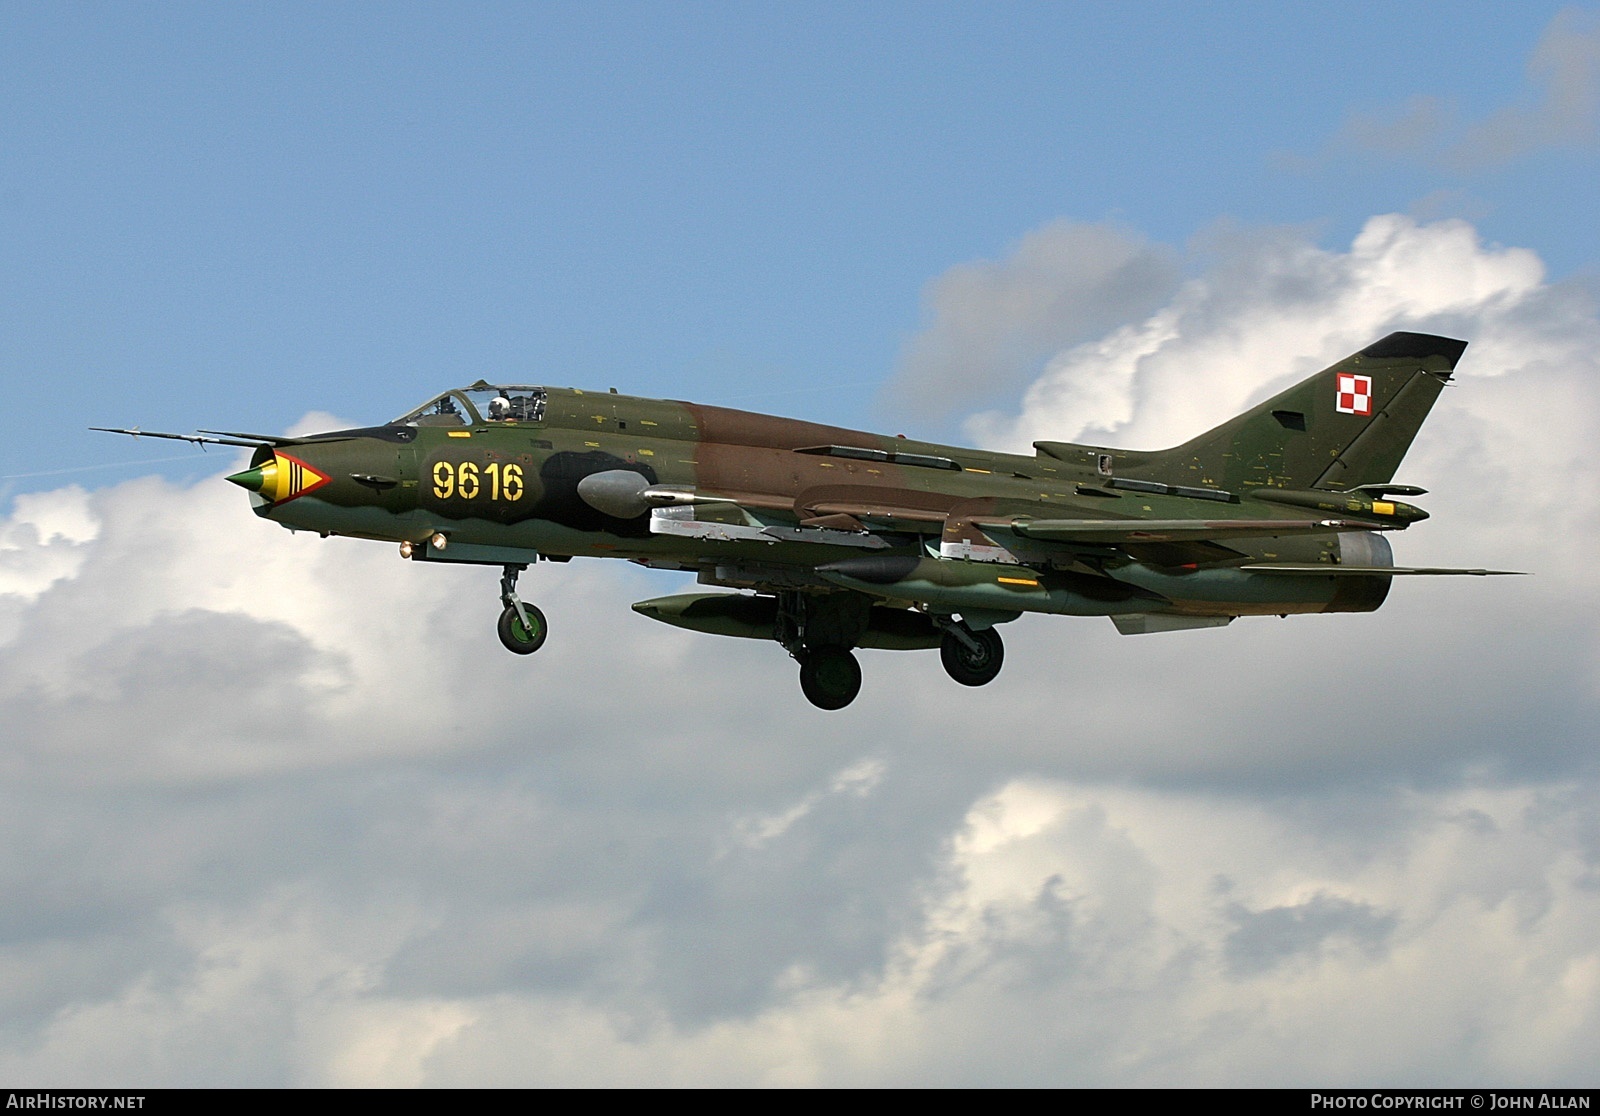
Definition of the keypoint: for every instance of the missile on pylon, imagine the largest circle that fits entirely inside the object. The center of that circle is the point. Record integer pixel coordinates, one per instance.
(954, 585)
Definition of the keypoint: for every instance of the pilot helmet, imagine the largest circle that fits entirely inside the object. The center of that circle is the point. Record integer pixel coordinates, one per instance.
(499, 407)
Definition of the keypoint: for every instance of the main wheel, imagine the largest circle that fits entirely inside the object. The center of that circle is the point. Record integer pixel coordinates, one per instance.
(524, 639)
(830, 677)
(973, 667)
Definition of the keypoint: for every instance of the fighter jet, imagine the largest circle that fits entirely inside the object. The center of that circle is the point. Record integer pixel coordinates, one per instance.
(833, 539)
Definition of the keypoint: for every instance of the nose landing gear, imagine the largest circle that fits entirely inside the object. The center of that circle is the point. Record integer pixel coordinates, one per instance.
(522, 626)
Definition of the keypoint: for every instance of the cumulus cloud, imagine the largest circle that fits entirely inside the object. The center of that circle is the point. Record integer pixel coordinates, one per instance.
(990, 324)
(1560, 108)
(1272, 308)
(1075, 935)
(858, 779)
(279, 810)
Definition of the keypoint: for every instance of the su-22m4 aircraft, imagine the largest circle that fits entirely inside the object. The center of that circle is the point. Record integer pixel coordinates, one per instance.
(836, 539)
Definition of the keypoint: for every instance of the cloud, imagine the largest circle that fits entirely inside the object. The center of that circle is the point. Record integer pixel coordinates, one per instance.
(1270, 309)
(1560, 108)
(1076, 936)
(45, 539)
(858, 779)
(1264, 939)
(279, 810)
(991, 323)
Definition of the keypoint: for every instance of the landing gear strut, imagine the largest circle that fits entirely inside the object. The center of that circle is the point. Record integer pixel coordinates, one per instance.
(971, 658)
(818, 630)
(522, 626)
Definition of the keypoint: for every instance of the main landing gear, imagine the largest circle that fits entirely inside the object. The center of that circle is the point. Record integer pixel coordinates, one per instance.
(830, 677)
(971, 658)
(522, 626)
(819, 629)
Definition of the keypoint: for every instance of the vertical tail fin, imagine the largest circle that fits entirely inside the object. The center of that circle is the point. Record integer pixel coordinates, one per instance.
(1348, 425)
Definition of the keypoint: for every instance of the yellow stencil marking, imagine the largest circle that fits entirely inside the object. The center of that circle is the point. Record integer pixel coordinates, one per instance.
(1016, 581)
(466, 480)
(1382, 507)
(460, 433)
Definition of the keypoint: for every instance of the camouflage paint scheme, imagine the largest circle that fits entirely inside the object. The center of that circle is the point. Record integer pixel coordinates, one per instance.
(839, 539)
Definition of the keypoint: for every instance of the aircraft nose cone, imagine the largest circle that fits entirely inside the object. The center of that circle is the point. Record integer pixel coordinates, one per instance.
(252, 480)
(281, 478)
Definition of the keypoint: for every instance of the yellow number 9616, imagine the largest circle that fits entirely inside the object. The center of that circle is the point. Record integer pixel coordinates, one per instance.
(468, 481)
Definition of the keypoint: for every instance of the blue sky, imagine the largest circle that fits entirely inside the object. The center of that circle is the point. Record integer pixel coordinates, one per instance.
(277, 810)
(231, 216)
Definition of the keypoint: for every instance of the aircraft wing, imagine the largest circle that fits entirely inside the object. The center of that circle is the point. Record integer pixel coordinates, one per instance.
(1387, 571)
(1119, 532)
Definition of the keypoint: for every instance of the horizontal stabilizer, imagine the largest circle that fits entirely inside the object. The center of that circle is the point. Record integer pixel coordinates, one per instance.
(1368, 571)
(1116, 532)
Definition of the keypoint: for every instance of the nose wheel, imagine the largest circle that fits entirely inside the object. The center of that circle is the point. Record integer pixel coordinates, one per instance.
(522, 626)
(523, 630)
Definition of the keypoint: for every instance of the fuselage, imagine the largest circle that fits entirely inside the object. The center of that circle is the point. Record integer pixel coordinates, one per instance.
(745, 497)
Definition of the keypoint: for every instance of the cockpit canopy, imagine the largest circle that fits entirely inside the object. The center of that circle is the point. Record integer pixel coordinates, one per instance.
(481, 403)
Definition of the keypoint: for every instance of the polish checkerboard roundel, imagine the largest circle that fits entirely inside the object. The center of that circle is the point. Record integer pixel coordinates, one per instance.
(1355, 394)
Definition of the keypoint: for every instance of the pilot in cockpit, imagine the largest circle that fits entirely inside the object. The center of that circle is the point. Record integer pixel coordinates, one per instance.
(499, 409)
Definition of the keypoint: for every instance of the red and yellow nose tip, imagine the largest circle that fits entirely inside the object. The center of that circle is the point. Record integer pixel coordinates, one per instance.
(280, 479)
